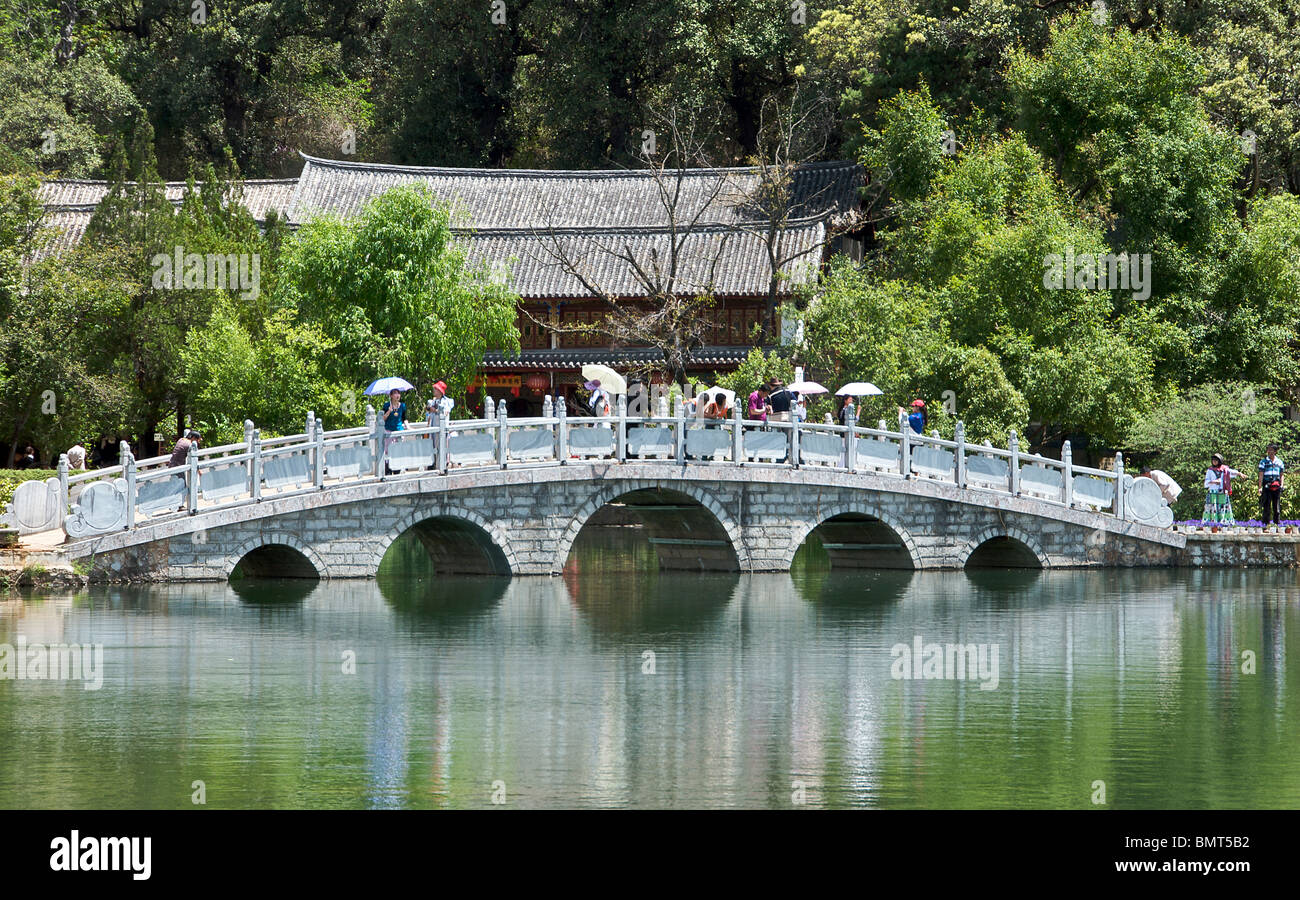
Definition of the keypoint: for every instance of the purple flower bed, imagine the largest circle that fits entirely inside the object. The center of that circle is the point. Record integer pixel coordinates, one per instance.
(1249, 523)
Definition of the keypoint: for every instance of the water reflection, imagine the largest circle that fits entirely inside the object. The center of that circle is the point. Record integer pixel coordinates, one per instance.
(421, 692)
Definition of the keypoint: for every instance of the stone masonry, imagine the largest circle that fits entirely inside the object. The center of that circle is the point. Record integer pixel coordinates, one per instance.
(525, 520)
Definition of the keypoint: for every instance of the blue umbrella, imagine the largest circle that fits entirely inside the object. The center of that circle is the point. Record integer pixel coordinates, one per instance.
(384, 385)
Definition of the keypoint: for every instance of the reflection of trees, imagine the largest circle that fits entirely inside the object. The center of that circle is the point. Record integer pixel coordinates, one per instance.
(446, 603)
(621, 603)
(843, 595)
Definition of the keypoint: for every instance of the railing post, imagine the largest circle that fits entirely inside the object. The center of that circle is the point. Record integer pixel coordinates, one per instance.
(318, 455)
(311, 443)
(904, 446)
(255, 485)
(128, 464)
(562, 431)
(375, 428)
(679, 430)
(1014, 446)
(548, 412)
(503, 436)
(192, 477)
(959, 456)
(620, 429)
(249, 427)
(489, 410)
(661, 408)
(737, 436)
(444, 436)
(794, 442)
(63, 487)
(1119, 485)
(1067, 475)
(851, 442)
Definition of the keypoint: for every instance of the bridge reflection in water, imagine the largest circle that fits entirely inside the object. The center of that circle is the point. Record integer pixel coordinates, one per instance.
(760, 681)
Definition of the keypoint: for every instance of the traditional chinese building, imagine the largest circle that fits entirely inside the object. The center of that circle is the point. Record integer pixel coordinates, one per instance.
(553, 236)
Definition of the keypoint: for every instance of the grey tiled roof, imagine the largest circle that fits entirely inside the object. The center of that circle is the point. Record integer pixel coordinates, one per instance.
(531, 199)
(260, 195)
(69, 204)
(516, 222)
(731, 262)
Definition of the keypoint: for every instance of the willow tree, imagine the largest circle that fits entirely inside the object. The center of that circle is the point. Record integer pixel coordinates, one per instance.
(397, 292)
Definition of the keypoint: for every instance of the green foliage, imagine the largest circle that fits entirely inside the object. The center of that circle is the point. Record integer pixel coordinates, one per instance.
(1236, 419)
(11, 478)
(273, 379)
(394, 291)
(897, 337)
(758, 368)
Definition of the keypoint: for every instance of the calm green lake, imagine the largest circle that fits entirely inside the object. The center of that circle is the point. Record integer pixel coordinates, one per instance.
(616, 685)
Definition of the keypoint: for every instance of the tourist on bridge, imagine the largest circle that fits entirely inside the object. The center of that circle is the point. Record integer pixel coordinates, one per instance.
(917, 417)
(848, 413)
(1169, 489)
(715, 406)
(1270, 487)
(394, 411)
(598, 403)
(758, 405)
(780, 400)
(1218, 492)
(181, 451)
(440, 405)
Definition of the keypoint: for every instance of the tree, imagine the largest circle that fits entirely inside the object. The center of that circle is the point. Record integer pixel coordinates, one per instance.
(396, 293)
(1236, 419)
(58, 324)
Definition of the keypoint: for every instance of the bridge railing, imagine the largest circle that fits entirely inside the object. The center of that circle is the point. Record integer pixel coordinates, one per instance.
(256, 469)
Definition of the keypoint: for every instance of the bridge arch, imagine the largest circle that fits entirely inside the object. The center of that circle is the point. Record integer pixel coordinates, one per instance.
(608, 493)
(1004, 546)
(279, 555)
(849, 512)
(486, 547)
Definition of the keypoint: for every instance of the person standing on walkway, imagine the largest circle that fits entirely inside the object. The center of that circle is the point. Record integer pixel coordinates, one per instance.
(439, 405)
(848, 415)
(181, 454)
(758, 405)
(780, 400)
(598, 403)
(916, 418)
(1271, 470)
(1218, 492)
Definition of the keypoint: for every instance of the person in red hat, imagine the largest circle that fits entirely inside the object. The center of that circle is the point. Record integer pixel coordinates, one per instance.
(916, 418)
(439, 405)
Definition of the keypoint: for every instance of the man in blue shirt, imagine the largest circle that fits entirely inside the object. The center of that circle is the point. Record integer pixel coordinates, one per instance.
(1270, 486)
(917, 417)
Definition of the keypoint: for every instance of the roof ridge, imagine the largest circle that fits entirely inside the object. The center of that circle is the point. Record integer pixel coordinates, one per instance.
(546, 173)
(801, 222)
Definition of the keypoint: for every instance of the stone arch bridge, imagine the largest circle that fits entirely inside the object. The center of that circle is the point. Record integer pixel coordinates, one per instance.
(526, 521)
(499, 496)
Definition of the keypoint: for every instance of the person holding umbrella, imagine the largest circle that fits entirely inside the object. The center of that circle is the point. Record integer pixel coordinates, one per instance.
(598, 403)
